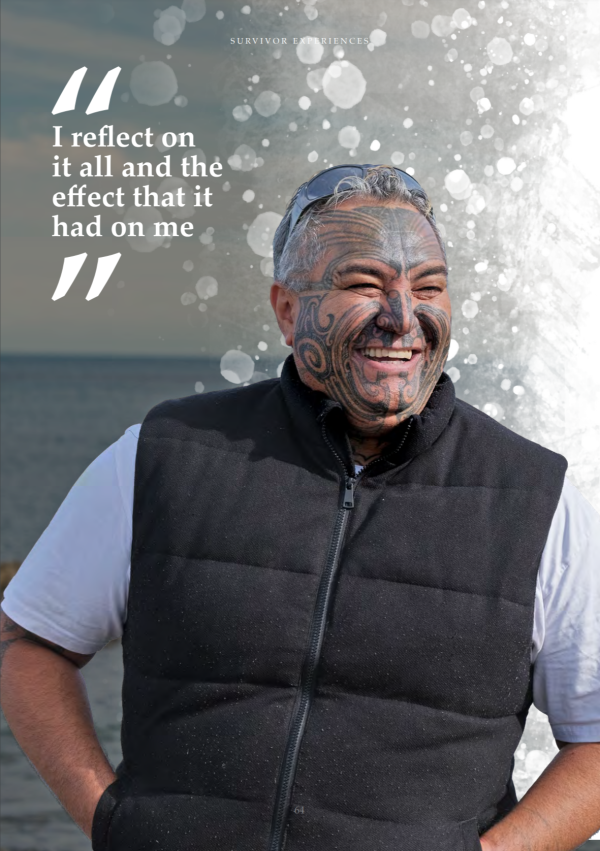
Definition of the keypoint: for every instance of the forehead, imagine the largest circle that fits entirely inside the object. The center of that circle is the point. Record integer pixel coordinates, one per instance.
(396, 234)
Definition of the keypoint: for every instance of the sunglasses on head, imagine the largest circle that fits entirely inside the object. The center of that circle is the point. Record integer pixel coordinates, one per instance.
(322, 185)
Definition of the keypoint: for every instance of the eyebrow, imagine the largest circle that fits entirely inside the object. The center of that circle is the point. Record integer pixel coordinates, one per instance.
(362, 269)
(365, 269)
(432, 270)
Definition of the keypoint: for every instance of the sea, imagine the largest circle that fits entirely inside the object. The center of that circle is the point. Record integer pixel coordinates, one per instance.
(56, 415)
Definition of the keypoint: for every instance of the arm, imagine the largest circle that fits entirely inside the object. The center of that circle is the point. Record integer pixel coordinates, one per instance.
(45, 703)
(560, 811)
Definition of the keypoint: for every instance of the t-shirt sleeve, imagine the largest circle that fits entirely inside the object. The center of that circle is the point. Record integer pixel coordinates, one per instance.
(566, 671)
(72, 588)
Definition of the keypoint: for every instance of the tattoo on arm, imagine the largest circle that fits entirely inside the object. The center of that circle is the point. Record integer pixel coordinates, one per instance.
(11, 632)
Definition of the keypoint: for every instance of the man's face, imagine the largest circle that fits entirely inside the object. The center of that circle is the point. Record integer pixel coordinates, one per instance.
(373, 330)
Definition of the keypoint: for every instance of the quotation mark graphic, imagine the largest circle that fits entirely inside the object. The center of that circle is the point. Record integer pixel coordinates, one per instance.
(101, 100)
(71, 267)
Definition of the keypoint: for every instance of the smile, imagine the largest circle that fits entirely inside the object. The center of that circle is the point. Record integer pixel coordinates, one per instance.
(401, 362)
(385, 354)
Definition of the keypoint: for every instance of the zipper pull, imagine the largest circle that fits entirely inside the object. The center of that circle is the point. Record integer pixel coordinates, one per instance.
(349, 492)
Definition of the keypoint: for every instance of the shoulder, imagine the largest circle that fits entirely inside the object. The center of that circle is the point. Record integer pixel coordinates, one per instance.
(473, 420)
(72, 588)
(573, 545)
(180, 418)
(491, 440)
(131, 434)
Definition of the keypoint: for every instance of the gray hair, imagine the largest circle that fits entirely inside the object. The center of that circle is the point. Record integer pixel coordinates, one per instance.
(294, 258)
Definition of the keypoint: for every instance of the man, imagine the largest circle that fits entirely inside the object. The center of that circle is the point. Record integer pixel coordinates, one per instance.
(339, 582)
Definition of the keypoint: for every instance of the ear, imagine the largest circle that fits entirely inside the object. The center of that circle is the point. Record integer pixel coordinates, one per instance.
(285, 305)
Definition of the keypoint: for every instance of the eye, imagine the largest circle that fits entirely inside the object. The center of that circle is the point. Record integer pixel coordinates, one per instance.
(430, 290)
(366, 285)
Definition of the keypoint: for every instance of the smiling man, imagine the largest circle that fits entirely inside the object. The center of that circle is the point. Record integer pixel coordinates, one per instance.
(338, 592)
(371, 324)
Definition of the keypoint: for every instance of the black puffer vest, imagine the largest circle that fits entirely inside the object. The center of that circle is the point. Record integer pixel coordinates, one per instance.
(319, 663)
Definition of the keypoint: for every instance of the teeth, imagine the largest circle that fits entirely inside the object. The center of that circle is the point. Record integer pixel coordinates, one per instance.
(395, 354)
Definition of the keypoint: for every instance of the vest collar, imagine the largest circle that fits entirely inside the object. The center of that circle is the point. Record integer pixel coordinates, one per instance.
(311, 412)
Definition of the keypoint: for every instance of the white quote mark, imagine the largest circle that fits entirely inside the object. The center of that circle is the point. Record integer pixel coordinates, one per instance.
(71, 267)
(101, 100)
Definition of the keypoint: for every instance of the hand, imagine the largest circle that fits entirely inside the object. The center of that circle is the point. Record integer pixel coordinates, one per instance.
(45, 703)
(560, 811)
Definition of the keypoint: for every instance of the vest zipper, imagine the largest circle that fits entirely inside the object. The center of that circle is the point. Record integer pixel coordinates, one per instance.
(307, 682)
(317, 632)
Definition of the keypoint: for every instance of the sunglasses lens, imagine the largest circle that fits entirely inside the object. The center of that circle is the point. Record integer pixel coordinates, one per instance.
(409, 181)
(323, 184)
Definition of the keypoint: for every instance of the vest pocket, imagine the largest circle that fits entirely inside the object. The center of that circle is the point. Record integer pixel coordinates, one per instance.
(184, 822)
(105, 809)
(470, 835)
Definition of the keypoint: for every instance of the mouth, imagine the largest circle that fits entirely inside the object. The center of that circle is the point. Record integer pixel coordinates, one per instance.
(388, 359)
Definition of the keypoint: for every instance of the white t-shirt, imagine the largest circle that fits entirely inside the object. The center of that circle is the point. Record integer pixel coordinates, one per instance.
(72, 588)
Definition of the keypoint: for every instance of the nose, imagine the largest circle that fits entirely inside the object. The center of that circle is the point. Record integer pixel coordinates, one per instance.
(397, 313)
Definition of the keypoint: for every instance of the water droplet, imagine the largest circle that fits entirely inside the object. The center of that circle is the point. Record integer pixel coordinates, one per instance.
(207, 287)
(469, 308)
(420, 29)
(236, 366)
(242, 112)
(153, 83)
(267, 103)
(344, 84)
(506, 165)
(194, 10)
(458, 184)
(349, 136)
(261, 232)
(243, 159)
(314, 79)
(378, 37)
(442, 26)
(309, 53)
(499, 51)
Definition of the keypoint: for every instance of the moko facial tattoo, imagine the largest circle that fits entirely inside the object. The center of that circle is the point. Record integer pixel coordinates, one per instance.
(372, 327)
